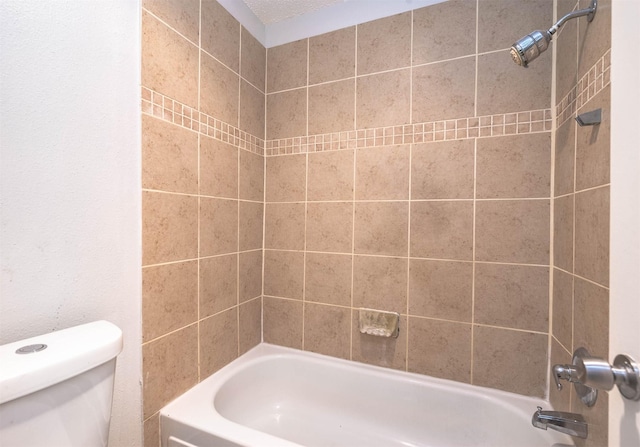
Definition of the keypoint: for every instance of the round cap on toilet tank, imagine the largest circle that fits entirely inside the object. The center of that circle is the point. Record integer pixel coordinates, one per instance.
(68, 352)
(30, 349)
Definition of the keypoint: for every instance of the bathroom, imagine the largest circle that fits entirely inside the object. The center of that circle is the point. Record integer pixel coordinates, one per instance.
(152, 219)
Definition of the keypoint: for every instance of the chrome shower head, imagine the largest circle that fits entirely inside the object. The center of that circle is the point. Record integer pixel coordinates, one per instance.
(529, 47)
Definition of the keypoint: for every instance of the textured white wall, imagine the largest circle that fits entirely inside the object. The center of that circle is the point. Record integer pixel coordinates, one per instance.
(70, 178)
(624, 305)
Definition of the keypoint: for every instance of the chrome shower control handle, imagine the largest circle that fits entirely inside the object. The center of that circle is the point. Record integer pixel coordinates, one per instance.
(564, 372)
(575, 374)
(595, 373)
(589, 374)
(626, 373)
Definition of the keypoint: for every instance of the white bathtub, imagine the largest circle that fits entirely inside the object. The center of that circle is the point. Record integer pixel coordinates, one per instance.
(280, 397)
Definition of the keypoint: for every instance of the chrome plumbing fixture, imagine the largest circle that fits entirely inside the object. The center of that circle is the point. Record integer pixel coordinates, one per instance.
(590, 118)
(532, 45)
(590, 374)
(569, 423)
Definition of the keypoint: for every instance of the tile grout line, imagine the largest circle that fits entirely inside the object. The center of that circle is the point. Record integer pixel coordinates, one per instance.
(571, 105)
(199, 190)
(550, 298)
(218, 255)
(422, 317)
(408, 279)
(346, 78)
(473, 256)
(353, 194)
(306, 194)
(465, 261)
(475, 194)
(264, 195)
(496, 199)
(204, 196)
(238, 331)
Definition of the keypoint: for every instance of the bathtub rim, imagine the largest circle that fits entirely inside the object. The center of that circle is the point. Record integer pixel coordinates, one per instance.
(200, 413)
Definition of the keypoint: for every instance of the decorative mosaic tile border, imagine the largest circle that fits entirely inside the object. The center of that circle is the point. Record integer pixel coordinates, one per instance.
(455, 129)
(165, 108)
(596, 79)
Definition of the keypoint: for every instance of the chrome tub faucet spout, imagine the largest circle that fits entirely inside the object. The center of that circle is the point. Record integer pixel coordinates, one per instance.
(569, 423)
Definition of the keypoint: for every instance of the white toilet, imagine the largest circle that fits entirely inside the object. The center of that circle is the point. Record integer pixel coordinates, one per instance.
(56, 389)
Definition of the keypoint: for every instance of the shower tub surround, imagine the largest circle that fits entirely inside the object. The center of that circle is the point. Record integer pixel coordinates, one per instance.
(400, 173)
(281, 397)
(408, 170)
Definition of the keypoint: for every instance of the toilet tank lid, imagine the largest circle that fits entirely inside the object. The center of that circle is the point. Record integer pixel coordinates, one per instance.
(69, 352)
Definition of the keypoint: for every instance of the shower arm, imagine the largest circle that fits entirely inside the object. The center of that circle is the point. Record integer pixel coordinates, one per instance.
(589, 12)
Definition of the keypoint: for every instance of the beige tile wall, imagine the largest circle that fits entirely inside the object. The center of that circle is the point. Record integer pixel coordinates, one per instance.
(407, 171)
(581, 205)
(203, 117)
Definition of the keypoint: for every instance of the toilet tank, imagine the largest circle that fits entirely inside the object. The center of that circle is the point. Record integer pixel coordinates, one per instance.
(58, 392)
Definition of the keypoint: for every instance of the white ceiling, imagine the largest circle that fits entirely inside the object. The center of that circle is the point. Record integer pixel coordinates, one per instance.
(272, 11)
(276, 22)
